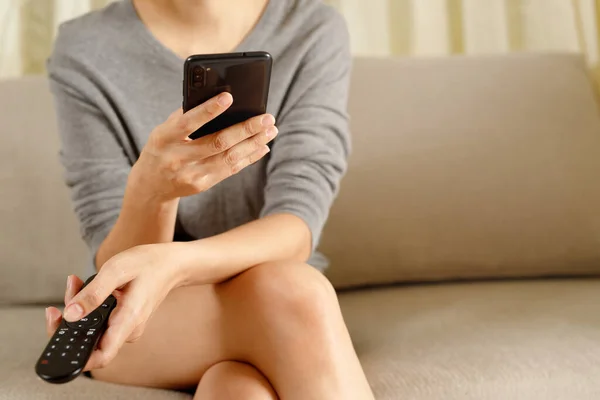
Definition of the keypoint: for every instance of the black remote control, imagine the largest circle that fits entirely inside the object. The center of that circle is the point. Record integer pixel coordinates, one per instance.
(72, 344)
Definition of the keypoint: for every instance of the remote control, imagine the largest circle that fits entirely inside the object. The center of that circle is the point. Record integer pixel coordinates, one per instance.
(72, 344)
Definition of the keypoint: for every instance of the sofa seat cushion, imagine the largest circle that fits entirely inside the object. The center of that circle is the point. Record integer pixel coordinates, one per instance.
(529, 340)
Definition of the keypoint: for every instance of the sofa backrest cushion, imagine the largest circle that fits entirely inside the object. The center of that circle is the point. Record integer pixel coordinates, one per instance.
(39, 243)
(462, 168)
(465, 167)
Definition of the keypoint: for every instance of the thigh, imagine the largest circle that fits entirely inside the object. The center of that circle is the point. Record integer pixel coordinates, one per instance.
(231, 380)
(181, 341)
(269, 317)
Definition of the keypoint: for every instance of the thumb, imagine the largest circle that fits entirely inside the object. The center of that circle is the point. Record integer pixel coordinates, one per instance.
(87, 300)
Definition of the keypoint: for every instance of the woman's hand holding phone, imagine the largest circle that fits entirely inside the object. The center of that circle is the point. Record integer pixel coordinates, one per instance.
(172, 165)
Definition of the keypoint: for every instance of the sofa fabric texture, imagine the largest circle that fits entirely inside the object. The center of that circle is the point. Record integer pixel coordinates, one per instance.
(468, 168)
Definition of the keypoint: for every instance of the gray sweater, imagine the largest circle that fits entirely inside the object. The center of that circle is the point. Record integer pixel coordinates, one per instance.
(113, 82)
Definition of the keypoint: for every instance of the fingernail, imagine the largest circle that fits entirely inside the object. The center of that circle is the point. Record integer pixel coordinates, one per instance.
(73, 312)
(272, 131)
(268, 120)
(47, 313)
(224, 99)
(69, 283)
(268, 150)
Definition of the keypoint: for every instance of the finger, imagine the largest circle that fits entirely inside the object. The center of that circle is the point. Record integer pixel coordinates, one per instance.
(175, 114)
(247, 148)
(121, 324)
(227, 138)
(53, 319)
(179, 127)
(111, 277)
(74, 285)
(233, 155)
(224, 173)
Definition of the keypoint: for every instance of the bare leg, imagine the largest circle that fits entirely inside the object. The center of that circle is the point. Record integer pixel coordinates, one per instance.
(230, 380)
(283, 319)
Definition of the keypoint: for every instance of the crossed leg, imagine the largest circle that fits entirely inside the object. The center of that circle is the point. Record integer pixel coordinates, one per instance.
(274, 331)
(231, 380)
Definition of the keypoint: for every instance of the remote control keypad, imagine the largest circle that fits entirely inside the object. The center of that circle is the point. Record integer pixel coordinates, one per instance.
(72, 344)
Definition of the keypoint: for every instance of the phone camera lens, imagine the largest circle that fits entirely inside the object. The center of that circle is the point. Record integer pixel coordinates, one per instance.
(198, 76)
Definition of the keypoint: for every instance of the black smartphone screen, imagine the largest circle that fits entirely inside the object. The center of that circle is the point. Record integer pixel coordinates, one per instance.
(245, 75)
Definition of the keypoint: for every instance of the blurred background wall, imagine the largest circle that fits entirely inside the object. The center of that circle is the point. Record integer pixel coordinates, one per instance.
(377, 27)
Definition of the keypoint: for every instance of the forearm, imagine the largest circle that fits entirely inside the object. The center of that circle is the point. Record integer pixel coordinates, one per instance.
(272, 238)
(143, 219)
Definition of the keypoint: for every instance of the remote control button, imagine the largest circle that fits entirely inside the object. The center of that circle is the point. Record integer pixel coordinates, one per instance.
(67, 347)
(75, 362)
(87, 340)
(48, 354)
(90, 332)
(63, 354)
(76, 333)
(53, 346)
(87, 322)
(57, 339)
(71, 339)
(104, 305)
(79, 355)
(61, 332)
(82, 347)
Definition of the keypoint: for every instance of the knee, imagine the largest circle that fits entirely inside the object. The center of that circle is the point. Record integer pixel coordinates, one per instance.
(230, 380)
(293, 290)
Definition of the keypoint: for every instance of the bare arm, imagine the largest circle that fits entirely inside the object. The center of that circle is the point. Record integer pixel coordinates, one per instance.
(172, 166)
(142, 220)
(272, 238)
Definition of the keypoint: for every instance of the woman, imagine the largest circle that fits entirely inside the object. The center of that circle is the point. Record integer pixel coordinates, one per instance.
(205, 243)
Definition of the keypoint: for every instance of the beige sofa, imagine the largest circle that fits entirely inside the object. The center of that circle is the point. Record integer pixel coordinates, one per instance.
(464, 170)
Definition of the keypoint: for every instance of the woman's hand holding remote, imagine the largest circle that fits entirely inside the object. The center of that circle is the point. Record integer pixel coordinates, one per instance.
(140, 278)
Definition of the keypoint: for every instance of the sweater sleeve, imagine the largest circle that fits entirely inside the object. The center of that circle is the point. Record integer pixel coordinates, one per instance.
(309, 156)
(95, 165)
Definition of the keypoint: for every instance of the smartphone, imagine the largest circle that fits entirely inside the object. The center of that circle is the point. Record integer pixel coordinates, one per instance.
(246, 76)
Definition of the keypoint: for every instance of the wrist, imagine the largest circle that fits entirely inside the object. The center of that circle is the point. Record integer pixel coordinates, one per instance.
(140, 191)
(198, 262)
(186, 259)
